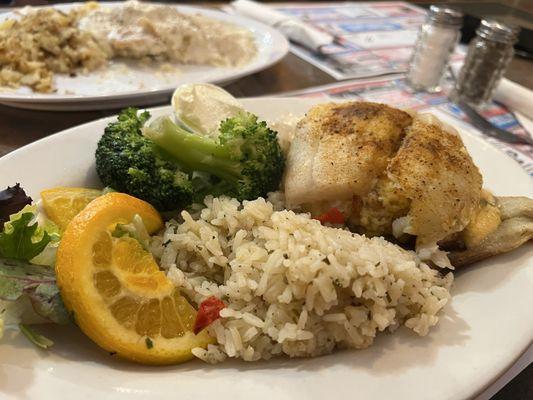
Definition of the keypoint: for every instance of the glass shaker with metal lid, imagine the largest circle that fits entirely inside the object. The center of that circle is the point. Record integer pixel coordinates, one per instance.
(436, 41)
(489, 53)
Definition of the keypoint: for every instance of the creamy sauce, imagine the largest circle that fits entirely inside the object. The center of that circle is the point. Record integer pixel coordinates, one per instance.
(161, 32)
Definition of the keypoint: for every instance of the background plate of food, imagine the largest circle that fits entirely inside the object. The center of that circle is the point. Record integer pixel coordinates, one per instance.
(381, 323)
(92, 55)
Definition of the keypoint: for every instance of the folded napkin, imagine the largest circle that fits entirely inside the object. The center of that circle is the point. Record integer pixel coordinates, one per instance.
(293, 28)
(515, 97)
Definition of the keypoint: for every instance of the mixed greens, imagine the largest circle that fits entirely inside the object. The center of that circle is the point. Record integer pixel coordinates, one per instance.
(12, 200)
(28, 242)
(19, 279)
(21, 238)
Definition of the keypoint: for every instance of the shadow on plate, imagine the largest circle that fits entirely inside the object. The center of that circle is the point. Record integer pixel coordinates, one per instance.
(390, 354)
(489, 274)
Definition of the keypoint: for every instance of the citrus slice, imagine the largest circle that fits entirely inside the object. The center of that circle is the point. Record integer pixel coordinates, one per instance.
(118, 295)
(61, 204)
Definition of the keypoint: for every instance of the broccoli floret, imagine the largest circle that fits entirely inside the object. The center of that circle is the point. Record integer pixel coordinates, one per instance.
(130, 163)
(246, 155)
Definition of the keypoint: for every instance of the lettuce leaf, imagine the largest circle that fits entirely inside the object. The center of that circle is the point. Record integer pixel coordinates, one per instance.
(13, 313)
(35, 337)
(48, 255)
(19, 279)
(20, 239)
(12, 200)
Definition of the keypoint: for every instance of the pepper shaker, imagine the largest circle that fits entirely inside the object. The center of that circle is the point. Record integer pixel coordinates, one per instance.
(436, 41)
(489, 53)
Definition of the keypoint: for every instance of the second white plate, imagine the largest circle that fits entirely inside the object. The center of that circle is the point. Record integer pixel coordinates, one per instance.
(123, 84)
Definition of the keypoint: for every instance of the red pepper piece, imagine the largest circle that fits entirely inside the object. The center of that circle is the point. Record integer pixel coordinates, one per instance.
(333, 216)
(208, 312)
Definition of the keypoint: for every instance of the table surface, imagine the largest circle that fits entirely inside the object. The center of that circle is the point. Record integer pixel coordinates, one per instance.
(20, 127)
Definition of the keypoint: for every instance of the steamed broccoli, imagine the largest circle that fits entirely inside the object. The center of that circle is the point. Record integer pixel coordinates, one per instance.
(246, 155)
(130, 163)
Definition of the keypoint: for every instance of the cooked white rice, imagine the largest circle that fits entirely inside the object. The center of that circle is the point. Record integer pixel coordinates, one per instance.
(293, 286)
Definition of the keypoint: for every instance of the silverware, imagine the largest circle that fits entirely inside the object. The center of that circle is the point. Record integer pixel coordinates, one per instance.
(486, 127)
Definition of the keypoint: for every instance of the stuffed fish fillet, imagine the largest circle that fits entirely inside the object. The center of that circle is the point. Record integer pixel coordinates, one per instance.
(394, 173)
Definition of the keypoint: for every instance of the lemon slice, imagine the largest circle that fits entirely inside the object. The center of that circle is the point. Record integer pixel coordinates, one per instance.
(61, 204)
(115, 289)
(201, 107)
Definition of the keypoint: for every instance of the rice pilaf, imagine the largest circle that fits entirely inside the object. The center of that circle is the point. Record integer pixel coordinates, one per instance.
(291, 285)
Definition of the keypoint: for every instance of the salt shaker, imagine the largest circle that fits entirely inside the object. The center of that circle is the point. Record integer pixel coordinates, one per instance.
(489, 53)
(436, 41)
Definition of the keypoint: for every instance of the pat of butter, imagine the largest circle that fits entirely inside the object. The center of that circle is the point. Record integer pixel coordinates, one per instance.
(202, 106)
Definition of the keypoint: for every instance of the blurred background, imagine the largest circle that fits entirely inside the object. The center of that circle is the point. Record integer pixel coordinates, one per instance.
(515, 12)
(502, 7)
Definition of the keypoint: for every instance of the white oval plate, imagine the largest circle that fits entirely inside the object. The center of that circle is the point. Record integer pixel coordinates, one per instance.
(487, 326)
(122, 84)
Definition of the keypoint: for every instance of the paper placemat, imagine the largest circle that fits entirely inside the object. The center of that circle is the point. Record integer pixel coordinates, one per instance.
(377, 38)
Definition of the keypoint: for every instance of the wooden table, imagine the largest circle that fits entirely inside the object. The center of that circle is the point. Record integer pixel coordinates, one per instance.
(19, 127)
